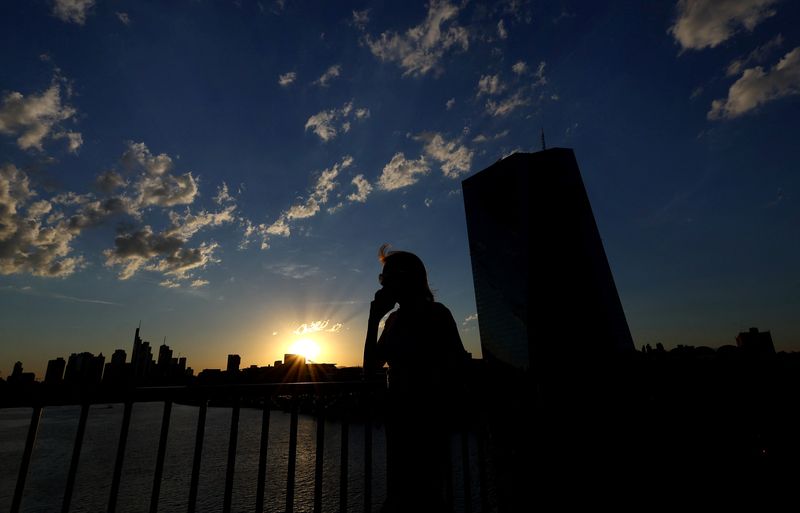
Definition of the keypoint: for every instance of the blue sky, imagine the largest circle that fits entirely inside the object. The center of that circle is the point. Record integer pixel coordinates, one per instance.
(226, 171)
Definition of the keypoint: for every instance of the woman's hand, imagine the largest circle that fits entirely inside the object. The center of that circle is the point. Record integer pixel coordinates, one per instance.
(382, 304)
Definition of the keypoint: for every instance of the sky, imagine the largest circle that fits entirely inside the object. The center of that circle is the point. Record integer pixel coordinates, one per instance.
(224, 172)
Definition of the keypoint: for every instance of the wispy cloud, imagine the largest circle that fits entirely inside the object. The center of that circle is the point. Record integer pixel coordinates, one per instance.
(328, 123)
(123, 17)
(318, 326)
(294, 271)
(707, 23)
(304, 208)
(757, 87)
(520, 67)
(331, 73)
(502, 32)
(757, 56)
(287, 79)
(480, 138)
(361, 19)
(72, 11)
(36, 116)
(455, 158)
(401, 172)
(363, 188)
(420, 49)
(29, 242)
(490, 85)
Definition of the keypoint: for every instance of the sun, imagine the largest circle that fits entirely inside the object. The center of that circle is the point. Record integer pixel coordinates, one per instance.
(306, 348)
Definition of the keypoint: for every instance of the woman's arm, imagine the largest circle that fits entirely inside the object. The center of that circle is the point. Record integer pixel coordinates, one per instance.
(374, 356)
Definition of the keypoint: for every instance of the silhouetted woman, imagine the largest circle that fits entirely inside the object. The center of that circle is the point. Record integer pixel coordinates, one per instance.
(421, 344)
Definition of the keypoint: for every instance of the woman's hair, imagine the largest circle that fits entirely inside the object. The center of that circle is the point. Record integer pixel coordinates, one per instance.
(412, 265)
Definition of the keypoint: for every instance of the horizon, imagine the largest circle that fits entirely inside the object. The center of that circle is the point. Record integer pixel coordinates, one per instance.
(227, 172)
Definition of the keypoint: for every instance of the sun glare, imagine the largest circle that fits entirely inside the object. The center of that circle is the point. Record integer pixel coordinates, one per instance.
(305, 347)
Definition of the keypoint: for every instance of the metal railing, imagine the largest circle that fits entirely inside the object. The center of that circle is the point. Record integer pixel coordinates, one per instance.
(345, 399)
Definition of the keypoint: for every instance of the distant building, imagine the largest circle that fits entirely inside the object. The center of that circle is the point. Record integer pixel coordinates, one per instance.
(234, 360)
(19, 377)
(141, 358)
(84, 369)
(755, 342)
(543, 286)
(54, 374)
(115, 372)
(164, 364)
(293, 360)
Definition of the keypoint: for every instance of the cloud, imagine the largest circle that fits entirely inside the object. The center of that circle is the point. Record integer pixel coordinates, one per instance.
(72, 11)
(123, 18)
(490, 84)
(470, 319)
(34, 117)
(428, 202)
(187, 224)
(506, 106)
(420, 49)
(502, 33)
(361, 18)
(198, 283)
(450, 103)
(756, 87)
(363, 188)
(109, 181)
(317, 326)
(324, 123)
(331, 73)
(540, 78)
(294, 271)
(455, 159)
(29, 244)
(757, 56)
(159, 252)
(287, 79)
(480, 138)
(305, 208)
(401, 172)
(707, 23)
(155, 185)
(519, 68)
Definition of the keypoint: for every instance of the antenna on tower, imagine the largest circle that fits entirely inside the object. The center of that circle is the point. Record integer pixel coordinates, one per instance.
(544, 146)
(165, 340)
(140, 324)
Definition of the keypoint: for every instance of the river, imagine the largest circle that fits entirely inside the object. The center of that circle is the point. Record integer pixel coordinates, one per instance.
(51, 458)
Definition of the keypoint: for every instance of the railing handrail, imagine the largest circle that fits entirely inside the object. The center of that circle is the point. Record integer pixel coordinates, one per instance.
(60, 395)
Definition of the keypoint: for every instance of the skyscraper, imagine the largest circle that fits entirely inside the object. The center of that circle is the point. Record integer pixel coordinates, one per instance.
(550, 323)
(543, 285)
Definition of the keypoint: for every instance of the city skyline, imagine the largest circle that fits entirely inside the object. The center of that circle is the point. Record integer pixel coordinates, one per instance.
(226, 172)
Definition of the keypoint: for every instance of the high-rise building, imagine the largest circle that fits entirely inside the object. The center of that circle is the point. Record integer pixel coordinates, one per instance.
(84, 369)
(755, 342)
(543, 286)
(55, 371)
(234, 360)
(550, 324)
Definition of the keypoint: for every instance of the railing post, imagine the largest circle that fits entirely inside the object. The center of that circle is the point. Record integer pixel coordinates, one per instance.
(162, 450)
(123, 439)
(345, 452)
(292, 458)
(234, 434)
(318, 464)
(76, 455)
(262, 456)
(198, 454)
(368, 453)
(30, 440)
(465, 472)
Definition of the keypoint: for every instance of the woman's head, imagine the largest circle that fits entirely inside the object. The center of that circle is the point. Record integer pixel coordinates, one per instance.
(404, 273)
